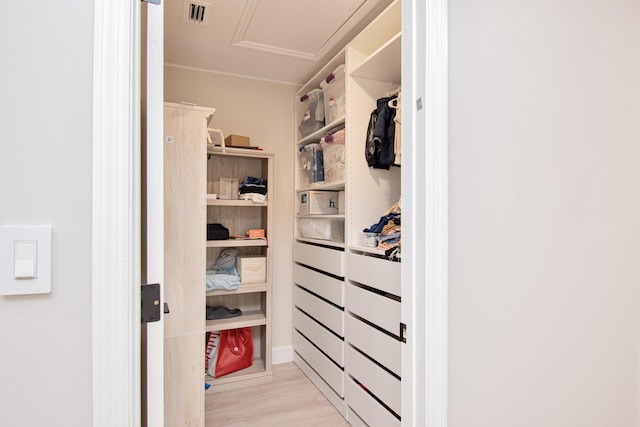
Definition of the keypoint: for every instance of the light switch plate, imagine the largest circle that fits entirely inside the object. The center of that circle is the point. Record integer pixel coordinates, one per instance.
(9, 284)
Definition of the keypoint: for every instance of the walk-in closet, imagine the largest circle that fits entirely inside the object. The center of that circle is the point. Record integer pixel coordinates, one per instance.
(283, 213)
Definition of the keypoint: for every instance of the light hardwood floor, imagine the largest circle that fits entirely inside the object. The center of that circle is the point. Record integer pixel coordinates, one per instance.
(291, 400)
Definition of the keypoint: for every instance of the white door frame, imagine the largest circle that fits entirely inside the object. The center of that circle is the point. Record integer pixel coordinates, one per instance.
(115, 259)
(425, 200)
(116, 213)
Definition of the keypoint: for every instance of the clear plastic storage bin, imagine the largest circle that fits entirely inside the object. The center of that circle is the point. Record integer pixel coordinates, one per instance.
(311, 164)
(333, 156)
(310, 112)
(333, 88)
(321, 228)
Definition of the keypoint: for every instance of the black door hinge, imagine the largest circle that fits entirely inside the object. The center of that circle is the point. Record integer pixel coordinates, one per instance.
(403, 332)
(150, 297)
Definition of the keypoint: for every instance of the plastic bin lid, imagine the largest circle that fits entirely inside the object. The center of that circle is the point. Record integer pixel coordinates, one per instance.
(337, 73)
(317, 91)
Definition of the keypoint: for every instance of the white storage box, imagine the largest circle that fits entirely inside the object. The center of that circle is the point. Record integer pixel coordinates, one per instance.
(310, 112)
(333, 156)
(333, 89)
(318, 203)
(252, 268)
(321, 228)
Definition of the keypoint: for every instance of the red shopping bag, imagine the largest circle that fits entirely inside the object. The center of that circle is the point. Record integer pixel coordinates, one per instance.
(235, 351)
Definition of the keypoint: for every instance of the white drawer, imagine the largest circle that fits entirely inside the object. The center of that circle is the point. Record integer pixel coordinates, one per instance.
(329, 372)
(325, 259)
(325, 286)
(379, 382)
(325, 313)
(371, 412)
(377, 309)
(379, 346)
(322, 338)
(375, 272)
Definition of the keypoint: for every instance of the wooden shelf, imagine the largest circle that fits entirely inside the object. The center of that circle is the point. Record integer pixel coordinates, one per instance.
(219, 202)
(315, 216)
(236, 243)
(322, 242)
(315, 136)
(249, 318)
(376, 66)
(253, 372)
(244, 288)
(237, 152)
(337, 185)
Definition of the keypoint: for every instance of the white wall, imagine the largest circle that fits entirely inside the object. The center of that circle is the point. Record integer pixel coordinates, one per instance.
(544, 213)
(263, 111)
(45, 178)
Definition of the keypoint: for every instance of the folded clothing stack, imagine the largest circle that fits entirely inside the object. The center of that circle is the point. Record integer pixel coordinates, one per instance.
(387, 230)
(223, 274)
(254, 189)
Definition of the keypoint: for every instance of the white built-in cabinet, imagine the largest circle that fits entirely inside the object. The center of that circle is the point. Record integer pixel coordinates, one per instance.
(347, 297)
(190, 168)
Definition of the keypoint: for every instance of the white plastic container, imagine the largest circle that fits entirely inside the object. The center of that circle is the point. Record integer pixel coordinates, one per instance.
(310, 112)
(321, 228)
(333, 88)
(318, 203)
(311, 164)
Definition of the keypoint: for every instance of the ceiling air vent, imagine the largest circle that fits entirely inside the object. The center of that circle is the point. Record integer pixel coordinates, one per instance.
(196, 12)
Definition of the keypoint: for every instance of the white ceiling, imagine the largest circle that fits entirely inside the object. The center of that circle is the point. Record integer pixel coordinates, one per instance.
(279, 40)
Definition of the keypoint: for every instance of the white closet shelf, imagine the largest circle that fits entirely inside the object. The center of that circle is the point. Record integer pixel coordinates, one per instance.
(376, 66)
(248, 319)
(218, 202)
(244, 288)
(315, 136)
(236, 243)
(322, 242)
(336, 185)
(367, 249)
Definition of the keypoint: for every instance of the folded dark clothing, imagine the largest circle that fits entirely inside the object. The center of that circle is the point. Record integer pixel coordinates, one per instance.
(222, 312)
(253, 188)
(254, 180)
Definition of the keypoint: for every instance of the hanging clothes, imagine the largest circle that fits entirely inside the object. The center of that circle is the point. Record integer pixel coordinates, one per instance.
(396, 104)
(380, 142)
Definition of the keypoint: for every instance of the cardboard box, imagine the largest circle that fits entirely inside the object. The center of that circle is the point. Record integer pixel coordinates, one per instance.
(255, 233)
(318, 203)
(252, 268)
(341, 202)
(237, 141)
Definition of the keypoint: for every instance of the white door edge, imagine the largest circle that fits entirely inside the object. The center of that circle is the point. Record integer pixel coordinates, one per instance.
(425, 199)
(116, 214)
(155, 209)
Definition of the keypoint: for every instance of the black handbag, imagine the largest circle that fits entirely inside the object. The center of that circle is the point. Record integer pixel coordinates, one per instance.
(217, 232)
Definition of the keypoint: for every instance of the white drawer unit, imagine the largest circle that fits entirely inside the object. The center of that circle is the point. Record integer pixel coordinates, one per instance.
(330, 373)
(320, 257)
(375, 272)
(377, 309)
(367, 408)
(377, 381)
(326, 286)
(330, 344)
(329, 315)
(379, 346)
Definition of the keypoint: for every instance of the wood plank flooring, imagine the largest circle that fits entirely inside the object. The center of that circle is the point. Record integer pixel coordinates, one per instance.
(291, 400)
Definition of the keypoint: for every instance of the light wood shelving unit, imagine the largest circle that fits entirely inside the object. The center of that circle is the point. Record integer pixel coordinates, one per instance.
(254, 299)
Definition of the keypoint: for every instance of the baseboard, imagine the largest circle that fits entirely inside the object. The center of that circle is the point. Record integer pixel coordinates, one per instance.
(282, 354)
